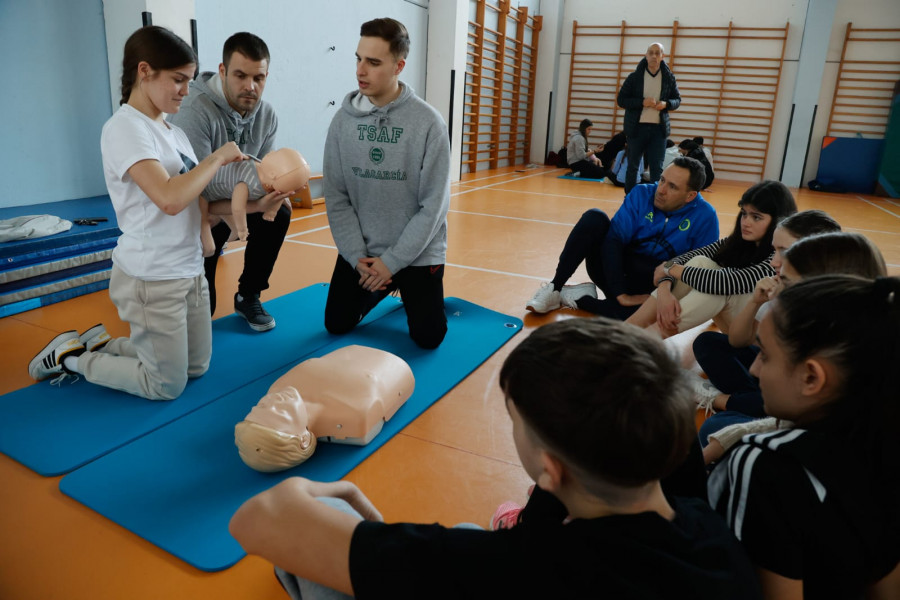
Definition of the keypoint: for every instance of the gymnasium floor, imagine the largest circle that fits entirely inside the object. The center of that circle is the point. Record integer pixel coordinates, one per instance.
(455, 463)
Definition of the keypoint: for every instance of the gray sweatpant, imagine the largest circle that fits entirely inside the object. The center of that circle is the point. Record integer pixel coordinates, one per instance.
(171, 337)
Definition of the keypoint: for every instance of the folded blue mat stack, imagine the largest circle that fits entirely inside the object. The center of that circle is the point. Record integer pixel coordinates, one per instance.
(41, 271)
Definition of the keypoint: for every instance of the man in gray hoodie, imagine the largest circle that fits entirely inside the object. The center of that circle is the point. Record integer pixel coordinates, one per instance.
(387, 192)
(227, 106)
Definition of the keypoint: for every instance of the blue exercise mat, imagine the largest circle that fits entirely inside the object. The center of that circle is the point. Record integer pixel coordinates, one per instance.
(567, 176)
(55, 429)
(179, 486)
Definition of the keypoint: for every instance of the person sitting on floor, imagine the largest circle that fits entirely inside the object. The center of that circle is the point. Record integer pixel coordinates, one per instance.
(620, 420)
(581, 159)
(716, 281)
(621, 254)
(726, 358)
(817, 506)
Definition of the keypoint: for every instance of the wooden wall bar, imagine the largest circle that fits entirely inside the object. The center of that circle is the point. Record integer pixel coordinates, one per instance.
(865, 82)
(728, 77)
(500, 79)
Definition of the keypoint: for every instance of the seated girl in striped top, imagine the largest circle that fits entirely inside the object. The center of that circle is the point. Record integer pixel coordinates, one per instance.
(715, 281)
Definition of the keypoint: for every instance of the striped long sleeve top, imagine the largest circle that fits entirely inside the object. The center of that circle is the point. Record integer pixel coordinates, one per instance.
(727, 281)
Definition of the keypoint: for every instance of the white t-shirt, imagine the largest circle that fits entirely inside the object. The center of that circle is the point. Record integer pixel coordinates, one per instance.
(153, 245)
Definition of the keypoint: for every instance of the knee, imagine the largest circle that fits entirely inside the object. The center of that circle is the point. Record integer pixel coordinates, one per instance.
(429, 339)
(339, 325)
(708, 344)
(594, 218)
(167, 390)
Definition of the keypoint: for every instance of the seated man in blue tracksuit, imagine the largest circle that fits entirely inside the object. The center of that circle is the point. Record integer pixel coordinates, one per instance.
(655, 223)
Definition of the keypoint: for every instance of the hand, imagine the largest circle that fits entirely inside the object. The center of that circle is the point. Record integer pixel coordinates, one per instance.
(766, 289)
(713, 451)
(631, 299)
(668, 310)
(229, 153)
(243, 232)
(343, 490)
(661, 105)
(374, 275)
(600, 148)
(658, 273)
(649, 102)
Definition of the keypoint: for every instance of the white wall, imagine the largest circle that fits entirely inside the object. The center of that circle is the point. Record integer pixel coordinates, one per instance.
(305, 75)
(690, 13)
(864, 14)
(762, 13)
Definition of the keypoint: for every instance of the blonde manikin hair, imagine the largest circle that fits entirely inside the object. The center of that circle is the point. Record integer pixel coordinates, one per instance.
(267, 450)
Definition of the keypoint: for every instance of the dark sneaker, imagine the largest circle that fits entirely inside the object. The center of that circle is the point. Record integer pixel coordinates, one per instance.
(49, 361)
(251, 309)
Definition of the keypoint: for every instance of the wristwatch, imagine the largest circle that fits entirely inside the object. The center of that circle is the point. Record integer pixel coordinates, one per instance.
(668, 265)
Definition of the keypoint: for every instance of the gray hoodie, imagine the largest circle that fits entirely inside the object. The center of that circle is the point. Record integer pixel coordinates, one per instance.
(387, 182)
(209, 121)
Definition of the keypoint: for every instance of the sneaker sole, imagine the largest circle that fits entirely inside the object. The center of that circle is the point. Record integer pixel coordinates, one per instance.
(95, 338)
(257, 326)
(64, 348)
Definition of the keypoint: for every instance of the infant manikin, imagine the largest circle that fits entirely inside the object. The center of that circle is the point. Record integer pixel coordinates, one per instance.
(243, 184)
(343, 397)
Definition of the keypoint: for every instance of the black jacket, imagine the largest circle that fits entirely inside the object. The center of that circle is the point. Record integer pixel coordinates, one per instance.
(631, 97)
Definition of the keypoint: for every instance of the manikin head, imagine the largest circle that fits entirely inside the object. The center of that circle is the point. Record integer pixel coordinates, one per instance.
(284, 170)
(275, 435)
(343, 397)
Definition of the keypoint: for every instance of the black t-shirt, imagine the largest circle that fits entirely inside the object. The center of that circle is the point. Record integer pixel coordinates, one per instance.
(807, 506)
(623, 557)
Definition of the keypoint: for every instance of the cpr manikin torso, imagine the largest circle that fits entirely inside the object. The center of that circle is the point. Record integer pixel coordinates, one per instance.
(343, 397)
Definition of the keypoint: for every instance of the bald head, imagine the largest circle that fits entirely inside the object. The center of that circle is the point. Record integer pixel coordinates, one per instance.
(656, 53)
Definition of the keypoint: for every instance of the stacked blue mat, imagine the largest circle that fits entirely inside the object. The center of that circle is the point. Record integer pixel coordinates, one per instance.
(39, 272)
(170, 472)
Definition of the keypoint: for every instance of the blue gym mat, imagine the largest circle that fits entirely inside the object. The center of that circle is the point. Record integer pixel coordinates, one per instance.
(179, 486)
(55, 429)
(567, 176)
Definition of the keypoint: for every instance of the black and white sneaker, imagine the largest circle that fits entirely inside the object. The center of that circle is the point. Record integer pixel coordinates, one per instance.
(94, 338)
(251, 309)
(49, 361)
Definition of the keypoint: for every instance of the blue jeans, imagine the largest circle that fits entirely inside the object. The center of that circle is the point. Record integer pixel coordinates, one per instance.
(647, 140)
(728, 368)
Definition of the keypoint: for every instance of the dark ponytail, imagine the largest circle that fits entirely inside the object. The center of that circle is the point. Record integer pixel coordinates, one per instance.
(854, 323)
(158, 47)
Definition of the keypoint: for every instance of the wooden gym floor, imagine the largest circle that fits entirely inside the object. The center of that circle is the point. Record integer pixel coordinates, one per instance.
(506, 229)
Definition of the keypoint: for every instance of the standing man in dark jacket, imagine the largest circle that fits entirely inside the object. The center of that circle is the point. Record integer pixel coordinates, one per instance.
(647, 96)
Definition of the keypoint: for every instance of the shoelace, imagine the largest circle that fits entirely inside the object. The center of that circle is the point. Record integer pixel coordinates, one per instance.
(62, 377)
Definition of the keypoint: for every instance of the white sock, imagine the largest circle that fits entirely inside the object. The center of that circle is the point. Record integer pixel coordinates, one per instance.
(71, 363)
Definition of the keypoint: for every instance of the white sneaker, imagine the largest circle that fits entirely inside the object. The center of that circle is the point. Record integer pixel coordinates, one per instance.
(94, 338)
(544, 300)
(570, 294)
(704, 392)
(49, 361)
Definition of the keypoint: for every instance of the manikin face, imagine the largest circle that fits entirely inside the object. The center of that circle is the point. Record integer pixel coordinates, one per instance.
(165, 88)
(781, 241)
(754, 223)
(780, 381)
(284, 411)
(655, 55)
(243, 81)
(672, 192)
(376, 70)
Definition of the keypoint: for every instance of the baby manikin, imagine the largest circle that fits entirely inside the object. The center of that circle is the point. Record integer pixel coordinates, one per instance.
(343, 397)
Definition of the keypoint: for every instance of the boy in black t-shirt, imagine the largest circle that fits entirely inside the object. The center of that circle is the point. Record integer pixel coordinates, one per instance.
(600, 414)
